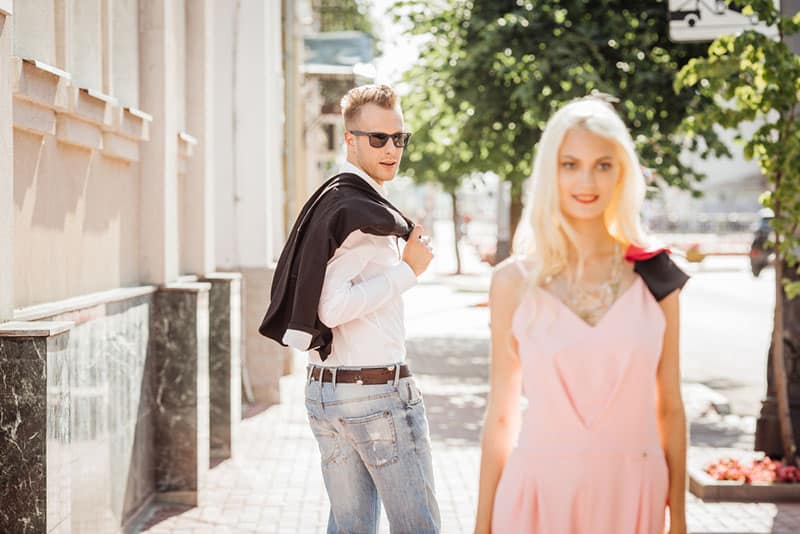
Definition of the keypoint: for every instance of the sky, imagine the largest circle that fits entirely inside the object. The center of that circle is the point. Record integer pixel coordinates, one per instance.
(400, 50)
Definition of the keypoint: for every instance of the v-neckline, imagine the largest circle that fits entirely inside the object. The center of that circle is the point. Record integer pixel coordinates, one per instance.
(608, 312)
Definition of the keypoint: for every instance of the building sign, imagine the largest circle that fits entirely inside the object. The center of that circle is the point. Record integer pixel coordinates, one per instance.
(705, 20)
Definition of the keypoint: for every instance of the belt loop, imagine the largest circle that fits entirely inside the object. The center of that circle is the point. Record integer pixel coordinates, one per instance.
(396, 374)
(333, 379)
(310, 373)
(321, 376)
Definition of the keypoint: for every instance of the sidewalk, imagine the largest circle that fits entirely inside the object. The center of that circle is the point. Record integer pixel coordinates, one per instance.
(274, 485)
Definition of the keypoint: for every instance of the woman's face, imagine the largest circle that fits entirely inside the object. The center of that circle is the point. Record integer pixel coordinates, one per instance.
(588, 171)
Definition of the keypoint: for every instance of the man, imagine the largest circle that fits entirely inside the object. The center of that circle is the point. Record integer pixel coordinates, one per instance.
(338, 290)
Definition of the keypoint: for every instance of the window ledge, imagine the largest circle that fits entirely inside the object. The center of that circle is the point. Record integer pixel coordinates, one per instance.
(39, 83)
(131, 123)
(186, 144)
(74, 131)
(120, 147)
(32, 118)
(46, 103)
(91, 106)
(6, 7)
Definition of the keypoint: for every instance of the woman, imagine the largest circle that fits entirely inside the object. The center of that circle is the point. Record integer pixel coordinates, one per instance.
(586, 319)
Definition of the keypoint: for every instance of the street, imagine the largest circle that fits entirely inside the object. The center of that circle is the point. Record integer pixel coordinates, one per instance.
(726, 327)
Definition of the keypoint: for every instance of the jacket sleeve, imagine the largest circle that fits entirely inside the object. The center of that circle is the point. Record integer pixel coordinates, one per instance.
(345, 295)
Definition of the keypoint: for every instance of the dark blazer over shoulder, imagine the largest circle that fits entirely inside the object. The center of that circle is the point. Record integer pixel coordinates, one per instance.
(343, 204)
(657, 269)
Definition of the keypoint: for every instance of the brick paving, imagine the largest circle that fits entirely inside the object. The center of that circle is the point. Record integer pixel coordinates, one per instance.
(273, 484)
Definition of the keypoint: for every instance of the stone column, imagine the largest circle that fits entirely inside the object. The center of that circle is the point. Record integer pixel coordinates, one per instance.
(159, 157)
(34, 435)
(249, 151)
(199, 187)
(179, 343)
(6, 167)
(224, 361)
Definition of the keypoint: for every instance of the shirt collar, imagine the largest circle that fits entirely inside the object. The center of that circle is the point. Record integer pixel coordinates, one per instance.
(351, 168)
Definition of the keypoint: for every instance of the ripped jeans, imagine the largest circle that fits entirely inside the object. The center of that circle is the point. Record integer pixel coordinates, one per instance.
(375, 449)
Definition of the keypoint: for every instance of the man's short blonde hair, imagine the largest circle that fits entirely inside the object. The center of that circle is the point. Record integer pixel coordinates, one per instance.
(352, 102)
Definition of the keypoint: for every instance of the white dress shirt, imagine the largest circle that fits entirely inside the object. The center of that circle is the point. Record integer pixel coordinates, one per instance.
(361, 300)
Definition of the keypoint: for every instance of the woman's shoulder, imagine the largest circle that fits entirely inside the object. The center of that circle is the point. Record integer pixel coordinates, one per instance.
(512, 269)
(509, 277)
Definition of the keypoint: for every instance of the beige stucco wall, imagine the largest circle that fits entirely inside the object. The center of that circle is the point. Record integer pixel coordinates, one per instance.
(6, 170)
(76, 218)
(35, 24)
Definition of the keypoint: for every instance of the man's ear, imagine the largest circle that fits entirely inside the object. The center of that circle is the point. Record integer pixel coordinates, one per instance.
(348, 138)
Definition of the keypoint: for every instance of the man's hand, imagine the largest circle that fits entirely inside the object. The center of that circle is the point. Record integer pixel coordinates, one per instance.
(418, 253)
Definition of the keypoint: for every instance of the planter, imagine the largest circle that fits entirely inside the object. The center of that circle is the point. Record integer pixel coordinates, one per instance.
(706, 487)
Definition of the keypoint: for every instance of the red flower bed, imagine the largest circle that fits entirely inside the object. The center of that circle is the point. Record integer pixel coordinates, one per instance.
(764, 471)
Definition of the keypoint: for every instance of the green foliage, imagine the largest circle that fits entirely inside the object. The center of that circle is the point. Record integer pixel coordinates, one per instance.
(343, 15)
(493, 71)
(747, 78)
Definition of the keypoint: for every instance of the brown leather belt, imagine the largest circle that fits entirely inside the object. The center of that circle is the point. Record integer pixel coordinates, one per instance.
(369, 376)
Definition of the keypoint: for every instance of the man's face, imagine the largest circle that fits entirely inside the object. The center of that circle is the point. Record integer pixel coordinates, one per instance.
(380, 163)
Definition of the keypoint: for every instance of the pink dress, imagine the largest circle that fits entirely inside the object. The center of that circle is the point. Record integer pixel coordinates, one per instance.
(588, 458)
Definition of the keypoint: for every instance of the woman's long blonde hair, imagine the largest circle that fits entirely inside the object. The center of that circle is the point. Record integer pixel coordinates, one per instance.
(543, 235)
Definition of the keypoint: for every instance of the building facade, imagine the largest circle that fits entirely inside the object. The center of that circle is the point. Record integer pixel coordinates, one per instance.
(145, 155)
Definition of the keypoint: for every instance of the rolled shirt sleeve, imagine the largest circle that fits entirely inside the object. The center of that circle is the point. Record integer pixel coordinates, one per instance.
(344, 297)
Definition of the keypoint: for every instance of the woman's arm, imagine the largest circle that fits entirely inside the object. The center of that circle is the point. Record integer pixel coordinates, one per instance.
(502, 419)
(671, 414)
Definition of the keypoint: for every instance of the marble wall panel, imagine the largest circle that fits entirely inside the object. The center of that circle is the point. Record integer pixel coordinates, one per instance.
(179, 346)
(224, 362)
(34, 434)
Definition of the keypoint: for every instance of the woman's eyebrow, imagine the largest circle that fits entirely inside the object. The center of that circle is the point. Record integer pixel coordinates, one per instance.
(570, 156)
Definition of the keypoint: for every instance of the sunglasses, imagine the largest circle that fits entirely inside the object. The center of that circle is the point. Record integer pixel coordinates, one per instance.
(378, 139)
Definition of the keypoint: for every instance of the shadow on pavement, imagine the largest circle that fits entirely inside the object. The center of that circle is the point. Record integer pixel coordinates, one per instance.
(714, 432)
(453, 375)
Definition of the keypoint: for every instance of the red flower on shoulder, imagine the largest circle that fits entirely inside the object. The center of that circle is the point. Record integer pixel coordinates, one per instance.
(635, 253)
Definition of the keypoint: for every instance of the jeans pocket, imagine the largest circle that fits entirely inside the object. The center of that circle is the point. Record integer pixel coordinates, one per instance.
(326, 439)
(409, 392)
(374, 436)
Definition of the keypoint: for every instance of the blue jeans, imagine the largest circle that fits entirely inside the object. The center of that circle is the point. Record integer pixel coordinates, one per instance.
(375, 448)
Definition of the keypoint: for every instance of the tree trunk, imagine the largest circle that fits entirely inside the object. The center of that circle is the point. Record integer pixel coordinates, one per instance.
(456, 229)
(515, 213)
(779, 368)
(773, 431)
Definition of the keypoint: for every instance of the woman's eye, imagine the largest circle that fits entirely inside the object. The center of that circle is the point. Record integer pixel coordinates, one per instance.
(604, 166)
(568, 165)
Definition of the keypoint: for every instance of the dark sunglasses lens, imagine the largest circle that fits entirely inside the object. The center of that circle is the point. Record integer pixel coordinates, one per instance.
(401, 140)
(377, 140)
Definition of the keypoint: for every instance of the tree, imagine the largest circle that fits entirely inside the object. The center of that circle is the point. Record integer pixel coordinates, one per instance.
(751, 77)
(499, 68)
(437, 154)
(343, 15)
